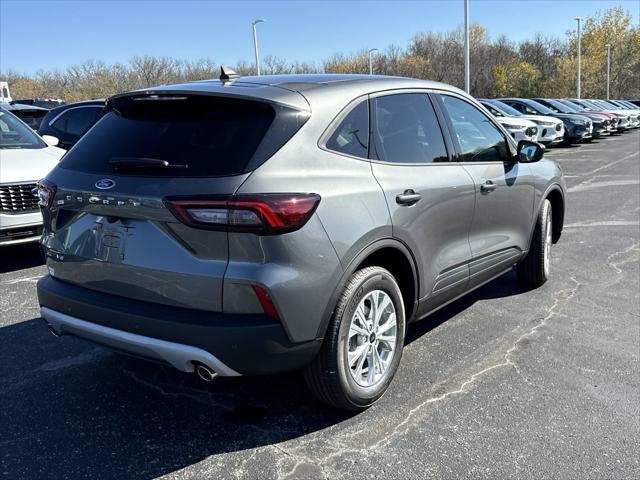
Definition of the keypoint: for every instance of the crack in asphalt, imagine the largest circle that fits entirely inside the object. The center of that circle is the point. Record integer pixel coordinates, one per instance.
(198, 397)
(635, 248)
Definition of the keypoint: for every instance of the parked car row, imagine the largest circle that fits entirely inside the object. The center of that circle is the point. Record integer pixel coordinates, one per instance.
(551, 121)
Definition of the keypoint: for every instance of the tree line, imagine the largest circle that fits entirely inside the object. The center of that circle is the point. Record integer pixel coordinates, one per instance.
(542, 66)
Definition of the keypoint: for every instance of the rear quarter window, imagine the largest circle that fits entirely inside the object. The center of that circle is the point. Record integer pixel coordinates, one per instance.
(351, 136)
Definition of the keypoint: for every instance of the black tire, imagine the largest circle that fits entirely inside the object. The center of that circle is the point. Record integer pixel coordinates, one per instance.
(329, 376)
(532, 272)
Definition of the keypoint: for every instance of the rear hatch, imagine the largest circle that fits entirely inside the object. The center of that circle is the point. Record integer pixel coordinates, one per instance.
(107, 224)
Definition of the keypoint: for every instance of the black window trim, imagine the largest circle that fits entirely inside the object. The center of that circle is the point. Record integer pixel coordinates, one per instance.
(443, 130)
(458, 151)
(57, 117)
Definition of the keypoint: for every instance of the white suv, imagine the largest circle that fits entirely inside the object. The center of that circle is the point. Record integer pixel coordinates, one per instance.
(25, 158)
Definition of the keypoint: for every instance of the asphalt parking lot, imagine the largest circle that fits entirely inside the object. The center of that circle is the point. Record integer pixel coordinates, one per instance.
(501, 384)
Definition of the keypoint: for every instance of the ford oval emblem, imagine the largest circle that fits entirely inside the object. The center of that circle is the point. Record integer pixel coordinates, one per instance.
(105, 184)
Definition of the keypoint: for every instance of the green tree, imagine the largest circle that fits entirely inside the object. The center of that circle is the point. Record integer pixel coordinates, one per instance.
(614, 27)
(517, 79)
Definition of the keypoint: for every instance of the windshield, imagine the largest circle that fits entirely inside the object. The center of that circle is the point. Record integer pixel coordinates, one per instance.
(604, 104)
(16, 135)
(493, 110)
(591, 105)
(572, 106)
(506, 109)
(559, 106)
(539, 107)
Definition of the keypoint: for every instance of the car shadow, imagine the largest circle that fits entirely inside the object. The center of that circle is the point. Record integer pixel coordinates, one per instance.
(504, 286)
(566, 146)
(19, 257)
(71, 409)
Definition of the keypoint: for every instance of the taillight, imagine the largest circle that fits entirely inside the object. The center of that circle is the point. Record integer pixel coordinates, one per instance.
(266, 214)
(45, 193)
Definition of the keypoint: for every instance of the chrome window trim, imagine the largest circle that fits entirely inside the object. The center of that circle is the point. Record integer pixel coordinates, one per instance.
(72, 108)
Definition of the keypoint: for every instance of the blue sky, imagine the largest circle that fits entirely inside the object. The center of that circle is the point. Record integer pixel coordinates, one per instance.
(55, 34)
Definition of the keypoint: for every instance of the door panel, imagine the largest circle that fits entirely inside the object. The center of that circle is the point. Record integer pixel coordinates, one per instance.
(503, 189)
(503, 216)
(430, 200)
(436, 228)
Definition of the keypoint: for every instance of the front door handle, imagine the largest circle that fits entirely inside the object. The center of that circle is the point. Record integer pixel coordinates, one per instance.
(408, 197)
(488, 187)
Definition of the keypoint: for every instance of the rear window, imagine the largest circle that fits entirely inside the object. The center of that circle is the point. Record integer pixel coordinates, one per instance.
(194, 135)
(16, 135)
(31, 118)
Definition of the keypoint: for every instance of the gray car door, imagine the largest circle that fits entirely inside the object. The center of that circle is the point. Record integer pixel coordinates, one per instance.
(430, 200)
(504, 189)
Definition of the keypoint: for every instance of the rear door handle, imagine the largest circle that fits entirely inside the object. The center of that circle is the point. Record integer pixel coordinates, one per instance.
(488, 187)
(408, 197)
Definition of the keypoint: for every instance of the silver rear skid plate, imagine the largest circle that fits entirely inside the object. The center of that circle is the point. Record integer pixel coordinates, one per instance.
(183, 357)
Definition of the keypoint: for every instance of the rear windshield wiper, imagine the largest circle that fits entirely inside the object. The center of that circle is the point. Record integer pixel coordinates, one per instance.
(143, 163)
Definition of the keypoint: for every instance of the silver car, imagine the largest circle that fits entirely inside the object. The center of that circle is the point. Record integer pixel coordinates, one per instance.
(247, 226)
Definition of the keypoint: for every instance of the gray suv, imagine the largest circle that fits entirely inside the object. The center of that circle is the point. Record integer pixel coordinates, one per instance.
(254, 225)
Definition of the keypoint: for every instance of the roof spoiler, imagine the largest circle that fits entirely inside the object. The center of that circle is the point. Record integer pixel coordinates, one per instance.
(227, 75)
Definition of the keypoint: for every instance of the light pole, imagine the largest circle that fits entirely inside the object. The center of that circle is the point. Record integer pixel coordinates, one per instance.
(608, 67)
(255, 43)
(579, 19)
(371, 61)
(466, 46)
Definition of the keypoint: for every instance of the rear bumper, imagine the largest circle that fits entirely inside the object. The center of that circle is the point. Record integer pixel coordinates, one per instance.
(182, 357)
(229, 344)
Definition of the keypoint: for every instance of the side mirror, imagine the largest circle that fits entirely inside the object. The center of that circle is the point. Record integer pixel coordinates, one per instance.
(51, 140)
(529, 152)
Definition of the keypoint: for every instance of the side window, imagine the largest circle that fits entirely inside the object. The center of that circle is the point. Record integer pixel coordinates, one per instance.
(406, 130)
(518, 106)
(479, 139)
(522, 108)
(351, 137)
(492, 110)
(76, 121)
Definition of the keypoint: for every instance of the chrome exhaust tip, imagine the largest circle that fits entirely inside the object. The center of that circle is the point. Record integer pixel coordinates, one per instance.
(205, 373)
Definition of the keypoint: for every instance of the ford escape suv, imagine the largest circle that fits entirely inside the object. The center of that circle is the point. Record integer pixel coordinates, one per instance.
(253, 225)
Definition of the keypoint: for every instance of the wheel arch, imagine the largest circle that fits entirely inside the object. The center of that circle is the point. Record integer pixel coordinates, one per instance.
(388, 253)
(555, 195)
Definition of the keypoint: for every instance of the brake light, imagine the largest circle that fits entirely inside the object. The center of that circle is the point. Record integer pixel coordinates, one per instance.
(45, 191)
(265, 214)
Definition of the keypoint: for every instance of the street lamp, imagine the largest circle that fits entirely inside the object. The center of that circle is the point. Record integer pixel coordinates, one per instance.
(466, 46)
(255, 43)
(371, 61)
(579, 19)
(608, 67)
